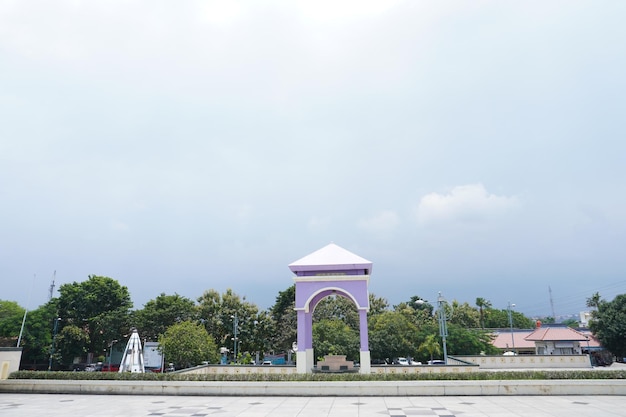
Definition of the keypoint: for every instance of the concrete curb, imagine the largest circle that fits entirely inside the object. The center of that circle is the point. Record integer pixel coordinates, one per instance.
(318, 388)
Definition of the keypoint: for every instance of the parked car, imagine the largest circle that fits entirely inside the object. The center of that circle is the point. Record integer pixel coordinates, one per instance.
(79, 367)
(402, 361)
(94, 367)
(266, 363)
(110, 368)
(406, 362)
(436, 362)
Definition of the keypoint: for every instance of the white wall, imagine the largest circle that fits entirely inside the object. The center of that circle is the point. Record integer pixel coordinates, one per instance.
(9, 361)
(529, 361)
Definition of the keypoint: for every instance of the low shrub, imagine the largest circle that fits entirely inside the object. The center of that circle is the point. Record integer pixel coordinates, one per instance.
(262, 377)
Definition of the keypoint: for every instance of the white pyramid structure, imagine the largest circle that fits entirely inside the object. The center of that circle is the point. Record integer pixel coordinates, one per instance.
(132, 361)
(331, 257)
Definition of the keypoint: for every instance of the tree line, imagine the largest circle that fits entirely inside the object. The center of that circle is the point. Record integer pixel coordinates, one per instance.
(93, 315)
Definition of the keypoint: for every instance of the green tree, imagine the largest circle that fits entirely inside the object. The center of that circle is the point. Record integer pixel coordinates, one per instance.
(209, 306)
(37, 337)
(482, 304)
(499, 319)
(336, 327)
(260, 338)
(460, 340)
(464, 341)
(71, 342)
(284, 321)
(11, 316)
(335, 337)
(418, 317)
(570, 323)
(406, 310)
(378, 305)
(36, 334)
(217, 313)
(99, 307)
(337, 307)
(165, 310)
(419, 304)
(608, 324)
(464, 315)
(188, 344)
(392, 335)
(594, 301)
(430, 346)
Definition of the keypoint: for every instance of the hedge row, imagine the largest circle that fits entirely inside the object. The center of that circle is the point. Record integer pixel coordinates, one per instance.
(503, 375)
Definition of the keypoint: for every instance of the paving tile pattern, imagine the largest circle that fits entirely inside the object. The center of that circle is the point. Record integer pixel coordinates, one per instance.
(63, 405)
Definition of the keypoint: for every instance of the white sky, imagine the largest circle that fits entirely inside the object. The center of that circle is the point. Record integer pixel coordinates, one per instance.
(474, 148)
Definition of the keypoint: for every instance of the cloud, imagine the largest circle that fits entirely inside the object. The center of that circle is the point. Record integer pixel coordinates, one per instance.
(382, 224)
(465, 203)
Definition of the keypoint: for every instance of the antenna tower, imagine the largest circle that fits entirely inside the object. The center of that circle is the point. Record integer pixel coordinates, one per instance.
(51, 290)
(552, 304)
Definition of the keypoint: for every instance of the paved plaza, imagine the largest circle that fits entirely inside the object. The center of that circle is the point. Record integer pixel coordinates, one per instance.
(52, 405)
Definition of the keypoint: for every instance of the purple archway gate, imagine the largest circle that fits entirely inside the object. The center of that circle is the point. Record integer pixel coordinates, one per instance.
(330, 270)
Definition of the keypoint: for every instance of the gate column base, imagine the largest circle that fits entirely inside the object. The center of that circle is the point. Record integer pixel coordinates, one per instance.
(304, 361)
(365, 362)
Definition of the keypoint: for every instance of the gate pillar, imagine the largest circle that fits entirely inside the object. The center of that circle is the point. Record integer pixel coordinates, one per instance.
(328, 271)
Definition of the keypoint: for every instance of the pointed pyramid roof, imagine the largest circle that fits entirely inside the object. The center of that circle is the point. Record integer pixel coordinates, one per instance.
(330, 258)
(132, 361)
(556, 333)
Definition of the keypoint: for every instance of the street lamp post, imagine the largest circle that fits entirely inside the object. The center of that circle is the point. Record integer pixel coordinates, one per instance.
(113, 342)
(443, 324)
(442, 318)
(54, 337)
(511, 325)
(235, 331)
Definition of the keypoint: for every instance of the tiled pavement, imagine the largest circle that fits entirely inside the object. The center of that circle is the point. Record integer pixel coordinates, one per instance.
(52, 405)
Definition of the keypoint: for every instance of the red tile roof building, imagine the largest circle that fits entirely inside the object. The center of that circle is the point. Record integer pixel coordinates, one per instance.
(558, 340)
(514, 341)
(550, 339)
